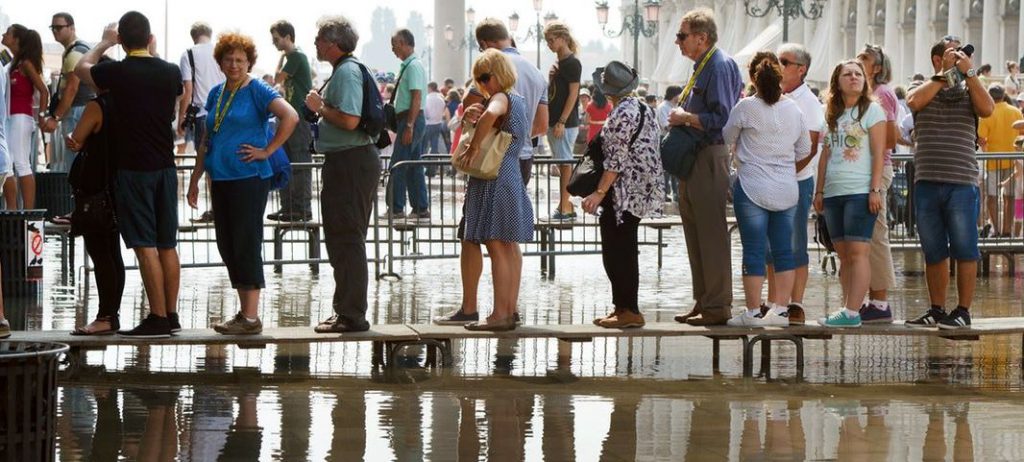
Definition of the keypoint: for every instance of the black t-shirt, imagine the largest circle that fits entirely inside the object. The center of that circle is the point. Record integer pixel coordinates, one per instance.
(98, 164)
(143, 91)
(569, 71)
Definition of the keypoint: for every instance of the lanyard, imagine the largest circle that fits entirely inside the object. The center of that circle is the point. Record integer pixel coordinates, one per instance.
(693, 78)
(220, 113)
(140, 54)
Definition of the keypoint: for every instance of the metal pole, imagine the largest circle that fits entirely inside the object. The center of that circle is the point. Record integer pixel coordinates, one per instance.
(636, 31)
(785, 21)
(539, 31)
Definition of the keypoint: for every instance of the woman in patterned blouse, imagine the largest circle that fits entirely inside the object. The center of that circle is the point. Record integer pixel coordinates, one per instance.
(630, 188)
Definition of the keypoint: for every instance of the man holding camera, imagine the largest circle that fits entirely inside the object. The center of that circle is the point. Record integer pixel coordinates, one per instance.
(199, 73)
(294, 81)
(946, 196)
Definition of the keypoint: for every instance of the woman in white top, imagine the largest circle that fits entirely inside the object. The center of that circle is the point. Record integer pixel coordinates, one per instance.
(770, 138)
(1012, 81)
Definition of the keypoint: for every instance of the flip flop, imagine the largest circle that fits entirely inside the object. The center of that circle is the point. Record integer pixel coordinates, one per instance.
(82, 332)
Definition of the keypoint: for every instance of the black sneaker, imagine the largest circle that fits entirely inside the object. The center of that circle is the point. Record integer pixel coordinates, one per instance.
(929, 319)
(872, 314)
(456, 318)
(960, 318)
(152, 327)
(172, 319)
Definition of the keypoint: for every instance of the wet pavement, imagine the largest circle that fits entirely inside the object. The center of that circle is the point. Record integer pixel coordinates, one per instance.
(869, 398)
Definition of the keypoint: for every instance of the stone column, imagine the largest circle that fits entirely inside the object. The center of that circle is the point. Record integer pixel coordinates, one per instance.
(863, 15)
(892, 31)
(448, 62)
(956, 19)
(922, 37)
(1020, 35)
(990, 26)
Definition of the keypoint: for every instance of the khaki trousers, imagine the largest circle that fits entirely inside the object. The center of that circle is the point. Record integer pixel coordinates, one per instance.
(883, 275)
(702, 202)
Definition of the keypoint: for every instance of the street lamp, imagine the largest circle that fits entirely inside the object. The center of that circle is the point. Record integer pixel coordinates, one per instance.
(785, 8)
(535, 30)
(467, 41)
(637, 24)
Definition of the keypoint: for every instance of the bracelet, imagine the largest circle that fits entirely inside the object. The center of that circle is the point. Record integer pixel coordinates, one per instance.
(602, 191)
(819, 192)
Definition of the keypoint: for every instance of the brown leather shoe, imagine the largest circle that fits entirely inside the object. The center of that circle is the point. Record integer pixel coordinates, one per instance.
(710, 317)
(622, 320)
(796, 315)
(681, 318)
(597, 321)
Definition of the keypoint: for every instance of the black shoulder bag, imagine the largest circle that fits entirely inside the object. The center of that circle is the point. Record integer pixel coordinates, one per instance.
(94, 212)
(390, 115)
(586, 175)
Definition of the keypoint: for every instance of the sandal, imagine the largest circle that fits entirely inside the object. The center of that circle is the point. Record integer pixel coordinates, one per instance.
(112, 321)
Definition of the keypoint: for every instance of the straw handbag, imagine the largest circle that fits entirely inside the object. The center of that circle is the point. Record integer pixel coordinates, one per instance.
(492, 150)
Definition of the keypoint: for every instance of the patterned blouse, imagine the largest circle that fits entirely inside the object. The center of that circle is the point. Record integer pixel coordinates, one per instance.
(639, 188)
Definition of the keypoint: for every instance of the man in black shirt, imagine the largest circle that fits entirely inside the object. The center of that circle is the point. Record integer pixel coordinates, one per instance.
(143, 89)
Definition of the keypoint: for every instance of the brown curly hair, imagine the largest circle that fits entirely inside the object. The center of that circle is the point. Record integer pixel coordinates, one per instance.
(233, 41)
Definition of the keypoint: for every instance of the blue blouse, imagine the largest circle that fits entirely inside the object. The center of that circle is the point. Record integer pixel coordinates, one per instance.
(244, 123)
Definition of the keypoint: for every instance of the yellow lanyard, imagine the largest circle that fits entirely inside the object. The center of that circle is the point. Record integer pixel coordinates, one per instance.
(139, 54)
(220, 113)
(693, 78)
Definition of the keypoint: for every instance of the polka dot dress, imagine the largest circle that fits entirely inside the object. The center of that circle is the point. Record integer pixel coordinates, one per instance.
(499, 209)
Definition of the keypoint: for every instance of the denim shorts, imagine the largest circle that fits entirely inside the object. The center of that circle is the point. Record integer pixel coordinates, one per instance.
(848, 218)
(561, 148)
(147, 208)
(800, 221)
(761, 228)
(947, 217)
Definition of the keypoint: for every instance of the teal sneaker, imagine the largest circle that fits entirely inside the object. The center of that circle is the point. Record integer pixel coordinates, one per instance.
(840, 319)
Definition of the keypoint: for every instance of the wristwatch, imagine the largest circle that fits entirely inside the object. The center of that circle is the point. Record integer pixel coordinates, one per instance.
(972, 73)
(878, 190)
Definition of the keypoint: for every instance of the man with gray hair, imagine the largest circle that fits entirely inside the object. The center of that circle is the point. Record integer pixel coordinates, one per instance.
(350, 173)
(795, 61)
(713, 89)
(409, 98)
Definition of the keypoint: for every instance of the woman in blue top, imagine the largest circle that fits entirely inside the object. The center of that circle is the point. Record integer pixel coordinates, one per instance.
(850, 182)
(235, 152)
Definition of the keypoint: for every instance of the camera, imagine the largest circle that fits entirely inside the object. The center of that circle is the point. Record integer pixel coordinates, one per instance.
(966, 49)
(310, 116)
(190, 117)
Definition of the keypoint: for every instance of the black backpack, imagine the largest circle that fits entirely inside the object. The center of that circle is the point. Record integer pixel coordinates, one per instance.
(371, 120)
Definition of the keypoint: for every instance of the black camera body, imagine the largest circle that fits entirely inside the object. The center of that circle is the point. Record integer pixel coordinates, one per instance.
(191, 112)
(966, 49)
(310, 115)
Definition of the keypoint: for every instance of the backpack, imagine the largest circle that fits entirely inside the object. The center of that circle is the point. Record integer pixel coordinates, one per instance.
(371, 120)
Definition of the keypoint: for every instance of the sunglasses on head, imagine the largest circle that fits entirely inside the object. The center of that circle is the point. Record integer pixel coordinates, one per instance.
(484, 78)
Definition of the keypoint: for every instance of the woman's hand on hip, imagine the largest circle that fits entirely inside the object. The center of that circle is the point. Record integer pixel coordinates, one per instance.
(251, 153)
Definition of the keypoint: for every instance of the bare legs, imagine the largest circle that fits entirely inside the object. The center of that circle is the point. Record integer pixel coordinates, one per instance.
(780, 296)
(856, 272)
(161, 273)
(26, 185)
(938, 281)
(506, 271)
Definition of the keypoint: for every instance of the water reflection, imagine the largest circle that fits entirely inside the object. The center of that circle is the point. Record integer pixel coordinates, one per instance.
(498, 422)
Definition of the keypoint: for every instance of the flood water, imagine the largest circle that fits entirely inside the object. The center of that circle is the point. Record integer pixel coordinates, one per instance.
(861, 398)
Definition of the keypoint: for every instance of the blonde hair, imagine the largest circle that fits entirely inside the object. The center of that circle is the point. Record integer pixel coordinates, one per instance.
(500, 67)
(558, 29)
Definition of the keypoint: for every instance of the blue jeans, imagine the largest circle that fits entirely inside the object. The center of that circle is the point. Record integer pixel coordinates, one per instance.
(946, 220)
(800, 216)
(435, 139)
(760, 228)
(848, 218)
(411, 178)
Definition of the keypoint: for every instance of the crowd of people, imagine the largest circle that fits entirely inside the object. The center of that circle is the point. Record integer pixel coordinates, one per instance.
(791, 151)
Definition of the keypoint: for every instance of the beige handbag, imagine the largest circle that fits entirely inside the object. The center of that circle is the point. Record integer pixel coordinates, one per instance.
(492, 150)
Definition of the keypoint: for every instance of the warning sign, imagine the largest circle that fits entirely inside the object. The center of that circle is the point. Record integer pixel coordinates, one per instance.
(34, 246)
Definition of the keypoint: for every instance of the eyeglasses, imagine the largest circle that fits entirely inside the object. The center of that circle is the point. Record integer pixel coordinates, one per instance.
(681, 36)
(786, 63)
(484, 78)
(57, 27)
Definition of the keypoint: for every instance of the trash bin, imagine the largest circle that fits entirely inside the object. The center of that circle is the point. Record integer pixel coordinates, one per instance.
(21, 251)
(53, 193)
(28, 388)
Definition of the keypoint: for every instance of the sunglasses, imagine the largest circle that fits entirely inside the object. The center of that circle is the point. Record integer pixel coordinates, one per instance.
(681, 36)
(786, 63)
(57, 27)
(484, 78)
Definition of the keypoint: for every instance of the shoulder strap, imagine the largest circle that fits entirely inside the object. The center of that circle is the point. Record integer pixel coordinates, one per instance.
(640, 127)
(192, 66)
(397, 83)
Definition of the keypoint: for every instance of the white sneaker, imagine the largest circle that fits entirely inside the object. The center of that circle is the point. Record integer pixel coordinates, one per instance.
(745, 319)
(774, 319)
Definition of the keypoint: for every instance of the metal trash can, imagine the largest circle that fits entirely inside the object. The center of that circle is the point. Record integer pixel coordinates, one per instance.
(53, 193)
(28, 388)
(21, 251)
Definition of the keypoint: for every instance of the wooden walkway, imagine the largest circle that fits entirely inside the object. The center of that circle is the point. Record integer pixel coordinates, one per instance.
(389, 339)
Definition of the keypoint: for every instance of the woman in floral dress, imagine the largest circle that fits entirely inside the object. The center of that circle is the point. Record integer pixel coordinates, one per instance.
(630, 188)
(849, 189)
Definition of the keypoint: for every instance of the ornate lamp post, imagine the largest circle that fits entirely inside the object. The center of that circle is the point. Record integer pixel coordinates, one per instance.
(637, 24)
(467, 41)
(535, 30)
(785, 8)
